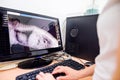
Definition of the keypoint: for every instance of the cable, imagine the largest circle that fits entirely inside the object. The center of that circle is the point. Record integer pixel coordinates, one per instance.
(61, 56)
(58, 56)
(82, 62)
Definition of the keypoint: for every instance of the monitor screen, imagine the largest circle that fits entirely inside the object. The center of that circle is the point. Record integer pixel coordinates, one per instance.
(24, 34)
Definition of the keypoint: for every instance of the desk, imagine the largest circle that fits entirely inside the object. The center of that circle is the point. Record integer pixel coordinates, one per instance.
(12, 73)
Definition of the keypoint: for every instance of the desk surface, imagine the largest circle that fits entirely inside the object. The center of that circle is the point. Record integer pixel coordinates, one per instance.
(12, 73)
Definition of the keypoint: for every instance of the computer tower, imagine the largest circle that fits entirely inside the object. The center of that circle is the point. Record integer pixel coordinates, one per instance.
(81, 37)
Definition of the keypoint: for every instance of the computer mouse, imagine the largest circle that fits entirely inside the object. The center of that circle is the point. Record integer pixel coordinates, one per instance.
(58, 74)
(89, 63)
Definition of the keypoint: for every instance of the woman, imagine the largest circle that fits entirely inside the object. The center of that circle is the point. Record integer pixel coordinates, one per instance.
(108, 26)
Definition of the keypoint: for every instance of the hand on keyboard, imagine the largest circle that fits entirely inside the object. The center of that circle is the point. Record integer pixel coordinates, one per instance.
(61, 73)
(49, 69)
(44, 76)
(65, 73)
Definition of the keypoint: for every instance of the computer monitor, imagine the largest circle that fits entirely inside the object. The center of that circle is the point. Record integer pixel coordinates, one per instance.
(25, 35)
(81, 37)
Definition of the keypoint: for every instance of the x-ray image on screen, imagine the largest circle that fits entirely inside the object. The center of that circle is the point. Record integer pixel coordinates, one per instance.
(30, 33)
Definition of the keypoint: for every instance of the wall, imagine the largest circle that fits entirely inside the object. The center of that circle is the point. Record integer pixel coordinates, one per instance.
(56, 8)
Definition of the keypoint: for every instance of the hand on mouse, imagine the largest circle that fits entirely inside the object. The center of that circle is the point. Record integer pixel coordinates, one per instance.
(70, 74)
(44, 76)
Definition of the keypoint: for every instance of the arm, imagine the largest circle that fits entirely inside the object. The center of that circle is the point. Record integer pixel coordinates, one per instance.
(88, 71)
(116, 75)
(110, 3)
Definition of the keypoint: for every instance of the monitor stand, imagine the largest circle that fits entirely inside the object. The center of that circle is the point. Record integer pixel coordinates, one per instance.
(34, 63)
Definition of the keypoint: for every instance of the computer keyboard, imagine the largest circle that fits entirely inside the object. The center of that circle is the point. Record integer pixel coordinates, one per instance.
(32, 75)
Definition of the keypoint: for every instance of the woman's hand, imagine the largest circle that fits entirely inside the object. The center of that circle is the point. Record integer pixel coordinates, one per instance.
(70, 74)
(44, 76)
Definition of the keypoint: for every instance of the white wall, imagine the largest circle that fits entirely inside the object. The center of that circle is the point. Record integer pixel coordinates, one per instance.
(55, 8)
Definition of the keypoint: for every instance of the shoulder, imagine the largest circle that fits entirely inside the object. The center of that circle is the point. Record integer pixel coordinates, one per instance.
(110, 4)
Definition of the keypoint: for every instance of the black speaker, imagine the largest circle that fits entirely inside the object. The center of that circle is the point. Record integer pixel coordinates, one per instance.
(81, 37)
